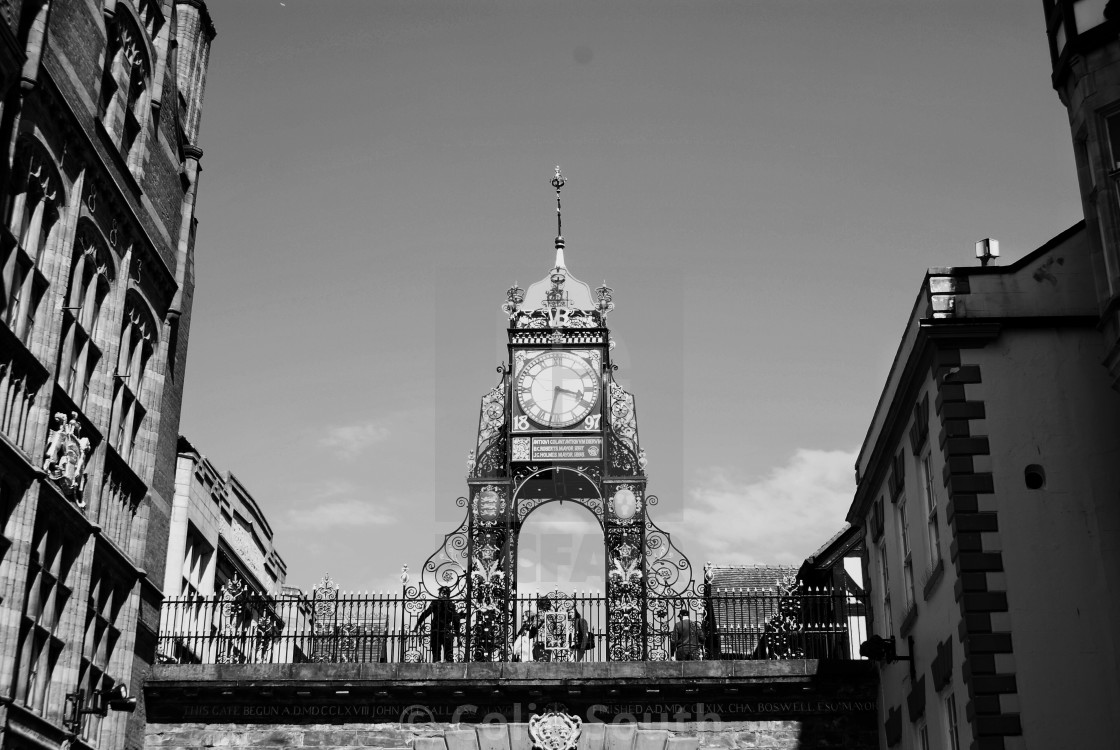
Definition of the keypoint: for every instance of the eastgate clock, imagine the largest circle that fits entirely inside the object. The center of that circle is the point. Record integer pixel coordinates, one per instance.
(557, 389)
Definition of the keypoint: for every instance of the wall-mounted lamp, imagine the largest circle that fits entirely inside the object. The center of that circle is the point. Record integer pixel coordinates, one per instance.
(115, 698)
(878, 648)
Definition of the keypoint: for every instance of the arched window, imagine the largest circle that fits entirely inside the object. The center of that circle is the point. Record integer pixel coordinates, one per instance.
(91, 274)
(126, 88)
(32, 220)
(139, 337)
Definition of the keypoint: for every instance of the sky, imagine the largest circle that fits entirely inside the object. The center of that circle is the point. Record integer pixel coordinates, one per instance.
(763, 183)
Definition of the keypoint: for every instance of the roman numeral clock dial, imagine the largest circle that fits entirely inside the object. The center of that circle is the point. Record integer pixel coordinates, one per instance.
(557, 389)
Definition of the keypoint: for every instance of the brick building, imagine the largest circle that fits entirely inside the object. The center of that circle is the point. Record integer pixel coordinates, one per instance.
(101, 105)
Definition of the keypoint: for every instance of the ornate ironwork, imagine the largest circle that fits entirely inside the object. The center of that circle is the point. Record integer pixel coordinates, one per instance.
(542, 318)
(447, 566)
(529, 504)
(323, 616)
(606, 299)
(668, 570)
(490, 448)
(492, 462)
(622, 461)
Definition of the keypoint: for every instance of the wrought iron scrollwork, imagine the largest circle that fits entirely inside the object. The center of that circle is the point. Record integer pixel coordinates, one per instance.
(668, 570)
(625, 592)
(492, 461)
(324, 619)
(623, 461)
(492, 443)
(447, 566)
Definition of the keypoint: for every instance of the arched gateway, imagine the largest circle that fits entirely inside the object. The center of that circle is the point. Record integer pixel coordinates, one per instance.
(558, 427)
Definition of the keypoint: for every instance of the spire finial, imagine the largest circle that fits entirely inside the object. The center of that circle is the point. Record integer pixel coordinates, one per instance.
(558, 182)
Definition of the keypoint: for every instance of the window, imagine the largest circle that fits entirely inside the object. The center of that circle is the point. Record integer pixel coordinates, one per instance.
(885, 584)
(952, 733)
(151, 16)
(126, 90)
(91, 274)
(32, 220)
(907, 558)
(138, 340)
(196, 560)
(47, 595)
(103, 627)
(9, 496)
(923, 736)
(121, 494)
(932, 530)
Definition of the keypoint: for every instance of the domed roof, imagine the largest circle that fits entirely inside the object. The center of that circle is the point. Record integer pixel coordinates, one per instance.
(559, 288)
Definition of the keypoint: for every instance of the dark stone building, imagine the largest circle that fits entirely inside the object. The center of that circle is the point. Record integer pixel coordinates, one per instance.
(101, 105)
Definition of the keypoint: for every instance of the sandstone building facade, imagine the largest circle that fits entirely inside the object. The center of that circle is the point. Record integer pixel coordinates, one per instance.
(101, 105)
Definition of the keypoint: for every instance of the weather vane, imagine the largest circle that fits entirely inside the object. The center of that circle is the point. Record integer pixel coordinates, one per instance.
(558, 182)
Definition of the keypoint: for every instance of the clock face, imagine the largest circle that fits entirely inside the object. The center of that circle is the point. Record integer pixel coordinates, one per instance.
(557, 389)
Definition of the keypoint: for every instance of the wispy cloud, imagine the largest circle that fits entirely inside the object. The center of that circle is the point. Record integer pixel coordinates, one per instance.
(350, 441)
(779, 518)
(337, 505)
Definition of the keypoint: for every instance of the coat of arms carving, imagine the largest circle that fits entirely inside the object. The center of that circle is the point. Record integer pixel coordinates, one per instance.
(66, 456)
(554, 730)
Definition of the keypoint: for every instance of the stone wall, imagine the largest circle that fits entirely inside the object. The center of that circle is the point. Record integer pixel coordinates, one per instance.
(729, 705)
(811, 732)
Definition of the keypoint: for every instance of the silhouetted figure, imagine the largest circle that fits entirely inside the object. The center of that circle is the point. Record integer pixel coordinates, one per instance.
(445, 625)
(686, 639)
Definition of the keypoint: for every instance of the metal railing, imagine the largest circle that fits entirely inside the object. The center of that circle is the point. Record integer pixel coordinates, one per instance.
(729, 624)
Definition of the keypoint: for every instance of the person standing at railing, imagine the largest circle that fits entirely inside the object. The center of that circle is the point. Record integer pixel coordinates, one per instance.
(686, 639)
(581, 634)
(526, 646)
(445, 625)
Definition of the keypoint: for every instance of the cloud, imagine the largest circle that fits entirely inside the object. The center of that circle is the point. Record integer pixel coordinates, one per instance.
(781, 518)
(349, 441)
(335, 505)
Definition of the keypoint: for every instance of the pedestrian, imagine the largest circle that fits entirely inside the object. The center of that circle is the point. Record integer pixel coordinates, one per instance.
(445, 625)
(686, 639)
(526, 636)
(580, 634)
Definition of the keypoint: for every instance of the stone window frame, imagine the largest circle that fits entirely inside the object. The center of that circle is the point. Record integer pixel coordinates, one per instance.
(107, 614)
(125, 105)
(33, 222)
(52, 559)
(92, 274)
(139, 339)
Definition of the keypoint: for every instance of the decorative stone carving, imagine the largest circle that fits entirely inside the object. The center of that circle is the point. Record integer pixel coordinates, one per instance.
(554, 730)
(66, 456)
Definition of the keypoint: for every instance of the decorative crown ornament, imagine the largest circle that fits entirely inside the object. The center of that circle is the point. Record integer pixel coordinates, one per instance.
(515, 295)
(605, 294)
